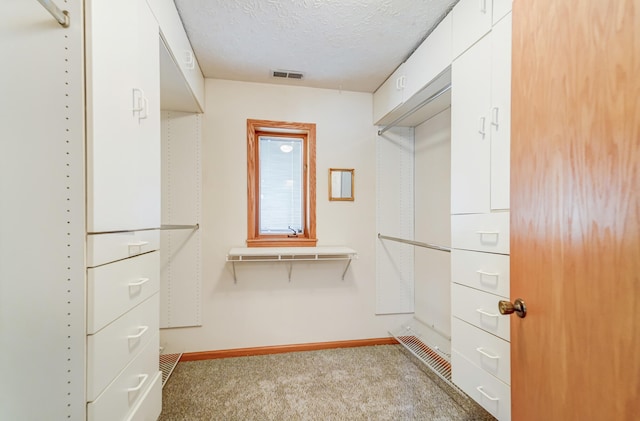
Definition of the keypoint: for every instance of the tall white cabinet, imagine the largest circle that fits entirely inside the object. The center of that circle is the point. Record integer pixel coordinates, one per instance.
(81, 183)
(480, 138)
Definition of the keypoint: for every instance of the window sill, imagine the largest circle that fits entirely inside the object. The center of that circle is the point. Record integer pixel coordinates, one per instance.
(282, 242)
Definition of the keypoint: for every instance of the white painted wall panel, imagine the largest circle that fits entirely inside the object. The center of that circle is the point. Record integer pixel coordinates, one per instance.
(42, 205)
(433, 221)
(395, 217)
(180, 252)
(263, 308)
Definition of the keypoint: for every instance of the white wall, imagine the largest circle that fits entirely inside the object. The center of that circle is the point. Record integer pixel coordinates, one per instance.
(433, 221)
(264, 308)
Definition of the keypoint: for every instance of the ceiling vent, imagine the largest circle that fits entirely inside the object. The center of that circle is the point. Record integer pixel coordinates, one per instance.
(287, 74)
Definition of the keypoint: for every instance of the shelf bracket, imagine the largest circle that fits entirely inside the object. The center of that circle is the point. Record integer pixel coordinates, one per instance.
(233, 264)
(346, 268)
(290, 268)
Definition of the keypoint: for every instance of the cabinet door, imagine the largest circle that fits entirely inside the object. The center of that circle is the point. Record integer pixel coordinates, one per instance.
(389, 96)
(429, 60)
(471, 21)
(148, 184)
(123, 145)
(500, 9)
(470, 136)
(500, 113)
(111, 58)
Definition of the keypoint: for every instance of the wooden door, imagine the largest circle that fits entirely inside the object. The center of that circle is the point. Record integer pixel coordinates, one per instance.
(575, 221)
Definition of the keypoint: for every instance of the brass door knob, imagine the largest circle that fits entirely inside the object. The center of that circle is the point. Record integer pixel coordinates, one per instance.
(517, 307)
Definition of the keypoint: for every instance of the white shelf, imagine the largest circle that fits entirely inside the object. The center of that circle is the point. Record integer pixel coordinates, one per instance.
(290, 254)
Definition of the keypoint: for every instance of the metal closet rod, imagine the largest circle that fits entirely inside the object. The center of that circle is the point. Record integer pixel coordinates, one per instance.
(161, 228)
(415, 243)
(414, 109)
(62, 16)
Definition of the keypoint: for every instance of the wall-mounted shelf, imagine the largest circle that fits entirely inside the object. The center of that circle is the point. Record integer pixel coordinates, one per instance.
(290, 255)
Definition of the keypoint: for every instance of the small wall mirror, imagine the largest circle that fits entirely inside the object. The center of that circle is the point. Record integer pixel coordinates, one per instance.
(341, 184)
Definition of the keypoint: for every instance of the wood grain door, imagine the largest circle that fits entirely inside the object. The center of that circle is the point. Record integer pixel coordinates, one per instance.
(575, 221)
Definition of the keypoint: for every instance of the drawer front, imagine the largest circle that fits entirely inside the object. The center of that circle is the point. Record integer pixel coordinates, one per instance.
(484, 350)
(150, 406)
(479, 309)
(484, 271)
(492, 394)
(129, 388)
(114, 289)
(106, 248)
(481, 232)
(111, 349)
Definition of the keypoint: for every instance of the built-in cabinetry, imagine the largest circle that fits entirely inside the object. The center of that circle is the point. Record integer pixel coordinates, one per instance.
(480, 136)
(413, 80)
(123, 198)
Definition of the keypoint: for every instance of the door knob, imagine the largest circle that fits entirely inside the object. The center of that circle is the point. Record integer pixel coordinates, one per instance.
(517, 307)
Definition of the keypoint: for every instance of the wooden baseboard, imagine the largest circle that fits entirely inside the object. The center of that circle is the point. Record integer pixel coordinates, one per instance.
(279, 349)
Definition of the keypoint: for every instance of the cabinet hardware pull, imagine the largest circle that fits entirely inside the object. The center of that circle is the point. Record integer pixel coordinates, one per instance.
(481, 128)
(488, 232)
(143, 379)
(485, 313)
(143, 329)
(190, 61)
(137, 106)
(486, 395)
(142, 281)
(138, 244)
(482, 272)
(486, 354)
(483, 6)
(494, 117)
(145, 108)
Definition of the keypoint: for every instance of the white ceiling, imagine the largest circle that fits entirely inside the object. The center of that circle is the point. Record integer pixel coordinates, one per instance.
(351, 45)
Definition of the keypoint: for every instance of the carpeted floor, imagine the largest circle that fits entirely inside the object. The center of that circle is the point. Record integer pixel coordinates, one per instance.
(365, 383)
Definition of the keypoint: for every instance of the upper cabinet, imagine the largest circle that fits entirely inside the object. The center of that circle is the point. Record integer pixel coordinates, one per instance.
(179, 49)
(406, 86)
(480, 121)
(123, 116)
(472, 19)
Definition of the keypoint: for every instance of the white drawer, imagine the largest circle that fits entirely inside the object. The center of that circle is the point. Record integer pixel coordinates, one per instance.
(150, 406)
(480, 309)
(486, 351)
(482, 232)
(127, 390)
(106, 248)
(485, 271)
(114, 289)
(492, 394)
(111, 349)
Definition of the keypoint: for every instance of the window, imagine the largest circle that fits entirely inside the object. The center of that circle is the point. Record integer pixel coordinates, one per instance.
(281, 184)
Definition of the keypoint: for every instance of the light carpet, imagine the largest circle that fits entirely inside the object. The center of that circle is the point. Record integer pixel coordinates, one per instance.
(365, 383)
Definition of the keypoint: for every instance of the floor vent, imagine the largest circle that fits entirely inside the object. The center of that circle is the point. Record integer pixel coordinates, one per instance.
(428, 346)
(167, 363)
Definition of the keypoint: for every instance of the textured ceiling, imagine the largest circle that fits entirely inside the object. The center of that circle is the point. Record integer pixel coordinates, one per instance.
(351, 45)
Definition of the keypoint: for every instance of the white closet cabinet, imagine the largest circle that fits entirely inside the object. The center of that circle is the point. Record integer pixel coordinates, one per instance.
(123, 116)
(123, 202)
(480, 118)
(471, 21)
(389, 95)
(480, 138)
(428, 61)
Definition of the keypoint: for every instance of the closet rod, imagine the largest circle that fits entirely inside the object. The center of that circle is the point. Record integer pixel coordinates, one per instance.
(414, 109)
(415, 243)
(161, 228)
(62, 16)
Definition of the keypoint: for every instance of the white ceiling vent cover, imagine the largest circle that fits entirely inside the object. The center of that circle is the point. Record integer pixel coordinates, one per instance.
(287, 74)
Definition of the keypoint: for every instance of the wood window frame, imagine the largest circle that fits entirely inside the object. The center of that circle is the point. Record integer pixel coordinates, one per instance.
(256, 128)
